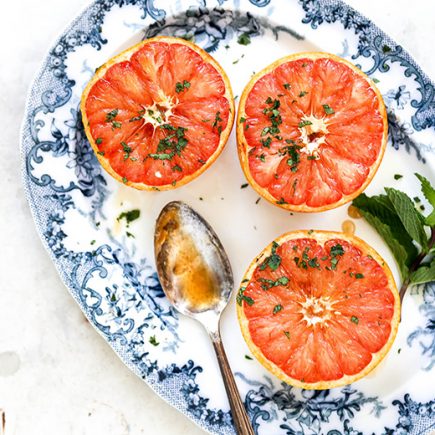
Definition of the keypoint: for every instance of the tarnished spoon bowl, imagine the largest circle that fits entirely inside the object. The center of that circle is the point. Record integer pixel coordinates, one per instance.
(196, 277)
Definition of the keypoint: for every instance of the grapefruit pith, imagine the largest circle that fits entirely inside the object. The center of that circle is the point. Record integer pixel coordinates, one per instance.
(311, 132)
(318, 309)
(158, 114)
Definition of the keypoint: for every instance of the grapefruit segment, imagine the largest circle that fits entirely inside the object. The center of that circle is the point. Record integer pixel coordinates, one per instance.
(158, 114)
(312, 132)
(318, 309)
(329, 367)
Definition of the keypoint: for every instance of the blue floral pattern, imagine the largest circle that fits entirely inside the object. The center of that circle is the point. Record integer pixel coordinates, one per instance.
(425, 336)
(398, 97)
(379, 48)
(119, 291)
(304, 410)
(414, 417)
(210, 27)
(400, 136)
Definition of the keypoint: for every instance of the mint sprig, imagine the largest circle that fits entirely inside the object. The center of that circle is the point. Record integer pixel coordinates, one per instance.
(405, 230)
(380, 214)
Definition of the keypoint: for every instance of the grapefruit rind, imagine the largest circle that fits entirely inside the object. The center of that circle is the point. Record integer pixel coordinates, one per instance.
(242, 144)
(320, 237)
(126, 55)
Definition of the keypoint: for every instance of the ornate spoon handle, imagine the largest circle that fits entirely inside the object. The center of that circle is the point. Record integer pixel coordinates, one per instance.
(240, 417)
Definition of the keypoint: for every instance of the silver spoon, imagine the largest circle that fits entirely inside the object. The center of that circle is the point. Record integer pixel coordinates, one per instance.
(196, 277)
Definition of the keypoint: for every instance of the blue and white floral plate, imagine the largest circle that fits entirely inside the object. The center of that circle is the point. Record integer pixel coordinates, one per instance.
(75, 205)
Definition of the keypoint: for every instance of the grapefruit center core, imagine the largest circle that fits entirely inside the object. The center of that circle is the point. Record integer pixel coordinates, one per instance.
(312, 134)
(316, 310)
(159, 112)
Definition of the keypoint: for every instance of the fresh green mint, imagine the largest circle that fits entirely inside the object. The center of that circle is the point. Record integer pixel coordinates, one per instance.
(274, 260)
(180, 87)
(328, 109)
(241, 297)
(267, 284)
(129, 216)
(408, 233)
(153, 340)
(244, 39)
(429, 194)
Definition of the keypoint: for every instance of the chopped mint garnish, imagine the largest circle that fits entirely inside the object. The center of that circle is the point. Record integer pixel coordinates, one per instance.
(328, 109)
(267, 284)
(110, 116)
(304, 123)
(244, 39)
(277, 309)
(129, 216)
(274, 260)
(241, 297)
(153, 340)
(180, 87)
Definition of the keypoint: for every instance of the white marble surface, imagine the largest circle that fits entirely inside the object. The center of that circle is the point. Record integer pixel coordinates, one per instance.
(57, 376)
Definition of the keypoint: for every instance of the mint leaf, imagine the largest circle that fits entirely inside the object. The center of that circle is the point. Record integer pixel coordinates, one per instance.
(411, 219)
(427, 189)
(400, 253)
(379, 206)
(429, 194)
(424, 274)
(385, 202)
(379, 212)
(430, 220)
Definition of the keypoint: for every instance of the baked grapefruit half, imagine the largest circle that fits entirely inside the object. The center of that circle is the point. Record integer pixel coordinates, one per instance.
(311, 132)
(158, 114)
(318, 309)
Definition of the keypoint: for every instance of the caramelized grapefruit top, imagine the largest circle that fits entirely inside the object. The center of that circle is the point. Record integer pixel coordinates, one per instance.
(158, 114)
(311, 132)
(319, 309)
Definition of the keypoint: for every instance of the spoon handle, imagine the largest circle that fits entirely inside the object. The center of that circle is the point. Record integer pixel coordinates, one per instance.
(238, 411)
